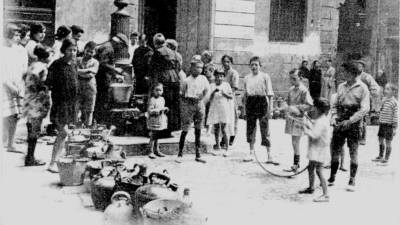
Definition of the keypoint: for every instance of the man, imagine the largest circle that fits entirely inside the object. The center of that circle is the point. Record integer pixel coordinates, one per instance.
(373, 88)
(77, 32)
(348, 110)
(140, 61)
(134, 45)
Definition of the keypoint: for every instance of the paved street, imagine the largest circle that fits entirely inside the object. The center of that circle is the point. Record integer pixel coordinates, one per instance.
(226, 190)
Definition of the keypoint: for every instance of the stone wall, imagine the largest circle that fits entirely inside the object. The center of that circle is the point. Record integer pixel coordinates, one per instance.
(94, 16)
(241, 30)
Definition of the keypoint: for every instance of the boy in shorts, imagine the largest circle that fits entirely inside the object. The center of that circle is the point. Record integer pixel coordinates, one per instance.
(193, 91)
(298, 102)
(387, 123)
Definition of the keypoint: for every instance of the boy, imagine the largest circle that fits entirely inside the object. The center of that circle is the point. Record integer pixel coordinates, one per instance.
(387, 122)
(348, 109)
(258, 103)
(194, 89)
(77, 32)
(298, 102)
(87, 70)
(318, 147)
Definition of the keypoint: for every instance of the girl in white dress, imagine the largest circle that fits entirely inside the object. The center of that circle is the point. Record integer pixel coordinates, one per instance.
(220, 114)
(156, 119)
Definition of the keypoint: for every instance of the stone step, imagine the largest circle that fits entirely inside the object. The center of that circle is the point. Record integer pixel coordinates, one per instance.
(135, 146)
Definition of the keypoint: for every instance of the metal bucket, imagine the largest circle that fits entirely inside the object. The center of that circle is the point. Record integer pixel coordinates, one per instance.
(121, 92)
(72, 170)
(171, 212)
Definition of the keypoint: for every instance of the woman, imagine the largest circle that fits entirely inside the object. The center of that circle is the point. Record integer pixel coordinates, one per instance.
(36, 101)
(304, 73)
(63, 83)
(37, 35)
(315, 80)
(140, 62)
(164, 68)
(328, 81)
(63, 32)
(232, 77)
(14, 65)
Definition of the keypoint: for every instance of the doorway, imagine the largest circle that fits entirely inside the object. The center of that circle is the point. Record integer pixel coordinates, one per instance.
(160, 17)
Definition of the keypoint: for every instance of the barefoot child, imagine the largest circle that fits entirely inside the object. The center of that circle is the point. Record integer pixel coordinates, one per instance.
(258, 102)
(157, 119)
(387, 123)
(194, 89)
(318, 147)
(220, 113)
(298, 102)
(209, 70)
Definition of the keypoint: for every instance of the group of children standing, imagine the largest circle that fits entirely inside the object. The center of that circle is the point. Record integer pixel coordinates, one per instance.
(305, 116)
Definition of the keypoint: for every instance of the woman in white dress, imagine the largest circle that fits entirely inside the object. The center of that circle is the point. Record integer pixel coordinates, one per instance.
(37, 35)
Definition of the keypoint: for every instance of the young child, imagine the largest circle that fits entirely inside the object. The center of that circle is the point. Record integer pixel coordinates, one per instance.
(258, 102)
(298, 102)
(387, 123)
(156, 119)
(318, 147)
(87, 69)
(194, 89)
(221, 113)
(209, 70)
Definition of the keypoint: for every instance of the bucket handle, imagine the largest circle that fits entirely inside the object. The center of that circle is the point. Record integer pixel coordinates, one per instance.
(121, 195)
(160, 176)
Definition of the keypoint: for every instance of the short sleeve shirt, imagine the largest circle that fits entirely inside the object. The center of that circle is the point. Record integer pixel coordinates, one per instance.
(258, 85)
(195, 87)
(232, 77)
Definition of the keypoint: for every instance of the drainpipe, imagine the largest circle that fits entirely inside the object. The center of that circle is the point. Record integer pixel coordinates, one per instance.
(378, 29)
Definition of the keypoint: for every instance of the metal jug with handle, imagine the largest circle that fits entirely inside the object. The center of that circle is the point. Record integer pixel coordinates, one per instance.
(119, 212)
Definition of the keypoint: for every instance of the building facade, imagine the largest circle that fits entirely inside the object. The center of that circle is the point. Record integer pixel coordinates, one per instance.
(281, 32)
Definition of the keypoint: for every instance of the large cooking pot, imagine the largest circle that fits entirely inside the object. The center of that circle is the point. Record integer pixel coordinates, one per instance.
(121, 92)
(158, 188)
(171, 212)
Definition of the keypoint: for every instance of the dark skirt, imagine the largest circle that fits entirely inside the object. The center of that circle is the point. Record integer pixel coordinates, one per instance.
(171, 96)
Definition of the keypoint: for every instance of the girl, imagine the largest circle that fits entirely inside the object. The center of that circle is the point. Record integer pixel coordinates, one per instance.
(36, 101)
(220, 113)
(232, 77)
(318, 149)
(156, 119)
(63, 83)
(13, 67)
(37, 34)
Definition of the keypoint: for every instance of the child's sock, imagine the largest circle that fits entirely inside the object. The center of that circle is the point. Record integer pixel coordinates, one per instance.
(296, 160)
(381, 150)
(334, 169)
(353, 170)
(388, 151)
(182, 143)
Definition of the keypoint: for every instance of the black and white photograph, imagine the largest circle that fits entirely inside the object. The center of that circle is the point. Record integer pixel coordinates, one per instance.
(199, 112)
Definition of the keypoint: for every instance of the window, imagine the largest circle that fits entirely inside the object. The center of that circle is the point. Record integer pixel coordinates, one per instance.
(287, 20)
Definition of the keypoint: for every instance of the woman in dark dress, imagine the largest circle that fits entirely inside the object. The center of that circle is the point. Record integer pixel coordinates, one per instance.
(164, 68)
(62, 80)
(140, 62)
(315, 80)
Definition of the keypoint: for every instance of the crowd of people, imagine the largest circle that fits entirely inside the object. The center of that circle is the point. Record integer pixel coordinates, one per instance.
(71, 82)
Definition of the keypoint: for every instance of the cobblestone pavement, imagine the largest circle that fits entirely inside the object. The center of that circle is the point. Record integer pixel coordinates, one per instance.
(226, 190)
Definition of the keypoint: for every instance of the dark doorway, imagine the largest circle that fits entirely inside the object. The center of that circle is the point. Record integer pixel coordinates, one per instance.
(160, 17)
